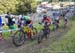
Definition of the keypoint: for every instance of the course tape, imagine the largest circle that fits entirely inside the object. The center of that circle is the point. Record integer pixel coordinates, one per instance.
(9, 30)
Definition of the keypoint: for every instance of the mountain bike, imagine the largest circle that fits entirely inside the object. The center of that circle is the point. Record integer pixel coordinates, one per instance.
(20, 36)
(44, 33)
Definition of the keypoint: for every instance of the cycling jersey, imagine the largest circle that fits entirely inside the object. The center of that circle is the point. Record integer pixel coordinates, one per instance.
(47, 20)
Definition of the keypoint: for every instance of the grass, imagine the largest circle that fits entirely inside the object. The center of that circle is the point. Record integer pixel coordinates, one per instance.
(66, 44)
(6, 34)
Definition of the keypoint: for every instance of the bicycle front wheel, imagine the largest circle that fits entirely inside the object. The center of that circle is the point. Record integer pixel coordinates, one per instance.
(40, 36)
(18, 38)
(34, 32)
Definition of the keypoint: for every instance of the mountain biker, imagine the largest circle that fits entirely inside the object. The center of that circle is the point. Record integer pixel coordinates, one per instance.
(46, 20)
(19, 21)
(65, 20)
(57, 22)
(28, 22)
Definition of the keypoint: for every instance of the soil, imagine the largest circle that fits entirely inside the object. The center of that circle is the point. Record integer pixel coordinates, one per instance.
(7, 46)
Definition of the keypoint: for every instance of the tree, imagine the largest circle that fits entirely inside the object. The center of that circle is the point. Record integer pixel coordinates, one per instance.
(61, 0)
(19, 6)
(8, 5)
(49, 1)
(26, 6)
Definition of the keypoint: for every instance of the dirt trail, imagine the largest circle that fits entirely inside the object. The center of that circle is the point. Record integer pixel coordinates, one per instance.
(32, 47)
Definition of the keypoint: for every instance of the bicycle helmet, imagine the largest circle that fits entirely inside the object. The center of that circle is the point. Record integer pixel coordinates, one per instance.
(26, 18)
(44, 16)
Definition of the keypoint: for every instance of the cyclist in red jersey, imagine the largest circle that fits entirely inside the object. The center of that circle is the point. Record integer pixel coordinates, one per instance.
(46, 19)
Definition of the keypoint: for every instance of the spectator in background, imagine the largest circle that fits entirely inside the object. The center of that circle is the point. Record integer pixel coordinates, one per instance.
(52, 18)
(1, 38)
(7, 17)
(10, 21)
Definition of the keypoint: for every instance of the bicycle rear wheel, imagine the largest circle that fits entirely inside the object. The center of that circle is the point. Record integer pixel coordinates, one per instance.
(18, 38)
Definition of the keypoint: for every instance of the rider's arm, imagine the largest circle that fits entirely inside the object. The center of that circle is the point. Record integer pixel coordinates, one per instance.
(49, 20)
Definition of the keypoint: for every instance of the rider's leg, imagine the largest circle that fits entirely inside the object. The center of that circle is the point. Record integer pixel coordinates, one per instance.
(30, 31)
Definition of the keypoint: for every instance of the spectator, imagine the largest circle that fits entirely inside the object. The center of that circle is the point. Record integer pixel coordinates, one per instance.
(7, 16)
(10, 21)
(1, 28)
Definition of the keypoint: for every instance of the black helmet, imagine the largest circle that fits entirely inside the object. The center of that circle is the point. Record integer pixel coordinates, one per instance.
(44, 16)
